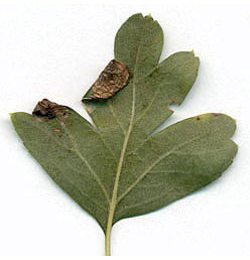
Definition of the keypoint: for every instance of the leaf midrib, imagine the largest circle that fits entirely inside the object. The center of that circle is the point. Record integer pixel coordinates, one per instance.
(114, 200)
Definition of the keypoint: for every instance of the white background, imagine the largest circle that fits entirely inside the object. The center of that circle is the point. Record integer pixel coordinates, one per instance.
(57, 51)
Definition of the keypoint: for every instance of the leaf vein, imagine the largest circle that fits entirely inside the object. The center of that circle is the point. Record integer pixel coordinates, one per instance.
(80, 155)
(157, 161)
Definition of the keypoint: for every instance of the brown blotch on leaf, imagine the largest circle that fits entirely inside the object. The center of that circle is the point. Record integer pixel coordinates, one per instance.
(89, 109)
(215, 114)
(176, 102)
(50, 110)
(112, 79)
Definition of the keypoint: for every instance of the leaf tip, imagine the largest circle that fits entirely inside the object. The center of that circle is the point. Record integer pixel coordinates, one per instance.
(194, 55)
(225, 120)
(13, 116)
(149, 16)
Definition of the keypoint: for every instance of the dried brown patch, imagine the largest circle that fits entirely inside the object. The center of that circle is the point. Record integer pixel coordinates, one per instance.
(89, 109)
(113, 78)
(176, 102)
(49, 110)
(215, 114)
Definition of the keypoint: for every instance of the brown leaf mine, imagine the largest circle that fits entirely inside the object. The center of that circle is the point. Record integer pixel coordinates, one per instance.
(48, 109)
(113, 78)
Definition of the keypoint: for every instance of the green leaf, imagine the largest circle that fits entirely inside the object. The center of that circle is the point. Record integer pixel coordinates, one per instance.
(120, 167)
(74, 155)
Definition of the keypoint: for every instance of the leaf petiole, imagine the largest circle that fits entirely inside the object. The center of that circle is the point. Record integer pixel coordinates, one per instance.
(108, 239)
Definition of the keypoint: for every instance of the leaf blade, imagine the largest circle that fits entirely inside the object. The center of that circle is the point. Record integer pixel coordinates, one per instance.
(118, 168)
(53, 144)
(204, 172)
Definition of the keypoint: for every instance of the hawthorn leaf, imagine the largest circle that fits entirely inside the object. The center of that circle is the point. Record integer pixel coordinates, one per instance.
(119, 166)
